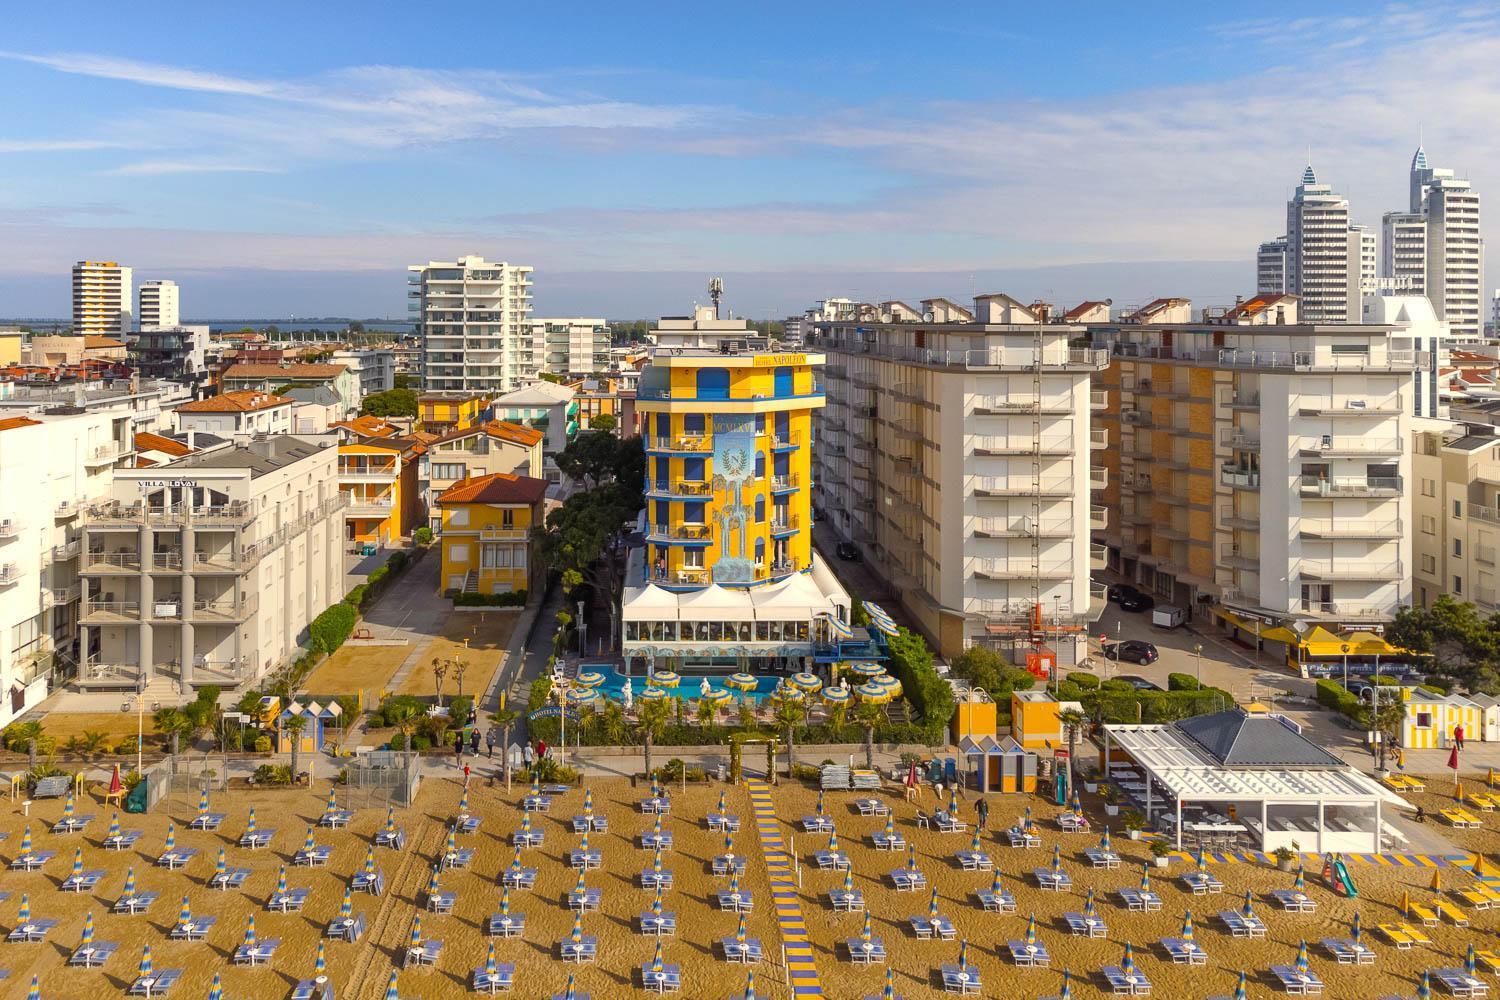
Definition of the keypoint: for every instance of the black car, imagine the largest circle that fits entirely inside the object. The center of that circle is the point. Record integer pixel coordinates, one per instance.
(1131, 651)
(847, 550)
(1130, 599)
(1139, 683)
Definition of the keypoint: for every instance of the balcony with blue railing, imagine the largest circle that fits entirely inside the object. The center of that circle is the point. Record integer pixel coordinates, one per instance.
(704, 394)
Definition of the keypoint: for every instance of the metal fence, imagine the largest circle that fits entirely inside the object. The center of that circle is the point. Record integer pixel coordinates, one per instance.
(383, 777)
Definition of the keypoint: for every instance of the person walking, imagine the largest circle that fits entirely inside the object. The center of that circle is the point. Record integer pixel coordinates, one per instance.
(474, 742)
(458, 749)
(982, 811)
(530, 755)
(466, 774)
(1458, 735)
(489, 741)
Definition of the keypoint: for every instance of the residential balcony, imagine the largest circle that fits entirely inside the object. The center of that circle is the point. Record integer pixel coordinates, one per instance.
(1098, 477)
(1329, 445)
(1169, 531)
(1336, 406)
(785, 440)
(1240, 437)
(63, 595)
(1098, 555)
(667, 488)
(1022, 444)
(226, 611)
(115, 513)
(1350, 569)
(986, 359)
(786, 525)
(786, 484)
(1098, 437)
(1237, 558)
(1015, 486)
(1230, 519)
(385, 472)
(108, 612)
(1021, 526)
(9, 529)
(691, 445)
(65, 552)
(1098, 517)
(368, 506)
(1022, 569)
(1005, 406)
(1240, 479)
(1098, 399)
(67, 508)
(1349, 527)
(701, 533)
(1350, 486)
(103, 454)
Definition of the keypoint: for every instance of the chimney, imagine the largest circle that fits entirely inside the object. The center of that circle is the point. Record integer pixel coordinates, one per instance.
(191, 436)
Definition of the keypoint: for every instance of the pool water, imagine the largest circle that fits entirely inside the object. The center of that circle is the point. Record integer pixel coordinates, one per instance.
(614, 684)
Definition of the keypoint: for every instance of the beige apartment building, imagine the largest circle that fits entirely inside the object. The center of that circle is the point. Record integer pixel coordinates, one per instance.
(474, 452)
(208, 570)
(1456, 511)
(1259, 465)
(958, 452)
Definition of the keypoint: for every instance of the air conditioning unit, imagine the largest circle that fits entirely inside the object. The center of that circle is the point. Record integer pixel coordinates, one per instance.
(1130, 416)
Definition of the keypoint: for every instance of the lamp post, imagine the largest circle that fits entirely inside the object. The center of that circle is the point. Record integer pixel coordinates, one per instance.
(1198, 652)
(582, 631)
(562, 720)
(1345, 649)
(140, 721)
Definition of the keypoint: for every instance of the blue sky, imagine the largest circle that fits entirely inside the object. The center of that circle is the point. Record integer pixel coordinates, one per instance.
(282, 158)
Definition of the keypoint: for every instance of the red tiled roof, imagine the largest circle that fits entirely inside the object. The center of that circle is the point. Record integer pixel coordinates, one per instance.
(240, 401)
(368, 426)
(1084, 307)
(92, 341)
(146, 441)
(500, 487)
(285, 371)
(11, 423)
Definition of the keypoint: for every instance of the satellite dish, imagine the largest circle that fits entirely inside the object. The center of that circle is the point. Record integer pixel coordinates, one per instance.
(1300, 627)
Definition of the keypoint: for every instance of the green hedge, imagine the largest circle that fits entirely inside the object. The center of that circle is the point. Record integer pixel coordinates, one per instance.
(930, 695)
(333, 626)
(356, 596)
(1331, 694)
(1182, 682)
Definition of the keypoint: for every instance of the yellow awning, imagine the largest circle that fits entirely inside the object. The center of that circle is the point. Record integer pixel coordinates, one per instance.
(1275, 633)
(1280, 633)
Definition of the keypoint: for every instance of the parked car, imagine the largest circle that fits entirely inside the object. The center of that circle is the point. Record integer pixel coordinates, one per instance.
(848, 551)
(1132, 651)
(1139, 683)
(1130, 599)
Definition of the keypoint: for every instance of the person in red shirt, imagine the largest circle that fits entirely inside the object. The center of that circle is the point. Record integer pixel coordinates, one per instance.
(1458, 735)
(541, 748)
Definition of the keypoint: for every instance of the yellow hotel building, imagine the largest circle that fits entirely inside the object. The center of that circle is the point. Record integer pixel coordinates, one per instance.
(727, 575)
(486, 533)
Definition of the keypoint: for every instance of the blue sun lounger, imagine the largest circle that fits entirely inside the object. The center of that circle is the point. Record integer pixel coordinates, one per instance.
(33, 861)
(194, 930)
(666, 980)
(585, 949)
(862, 952)
(262, 951)
(997, 902)
(441, 901)
(518, 878)
(232, 878)
(1184, 952)
(363, 881)
(1082, 926)
(726, 864)
(586, 901)
(742, 901)
(394, 839)
(136, 902)
(1143, 902)
(1297, 983)
(723, 822)
(663, 926)
(315, 858)
(502, 981)
(850, 901)
(290, 901)
(962, 980)
(176, 858)
(82, 882)
(908, 880)
(32, 931)
(157, 984)
(349, 929)
(1346, 952)
(927, 928)
(1129, 984)
(587, 824)
(652, 879)
(586, 861)
(313, 989)
(207, 821)
(72, 824)
(651, 840)
(124, 841)
(426, 953)
(1028, 955)
(93, 954)
(256, 839)
(335, 818)
(746, 952)
(507, 925)
(527, 838)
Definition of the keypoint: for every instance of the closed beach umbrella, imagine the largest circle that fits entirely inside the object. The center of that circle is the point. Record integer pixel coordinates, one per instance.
(114, 824)
(890, 825)
(23, 915)
(911, 859)
(656, 863)
(391, 993)
(742, 681)
(216, 990)
(1066, 993)
(1471, 960)
(807, 681)
(1241, 989)
(171, 842)
(568, 991)
(889, 993)
(320, 963)
(26, 840)
(1424, 988)
(1056, 859)
(250, 931)
(185, 915)
(656, 904)
(1088, 905)
(77, 861)
(1300, 882)
(370, 861)
(1356, 931)
(665, 679)
(1145, 879)
(432, 881)
(932, 907)
(995, 883)
(1104, 840)
(221, 864)
(203, 802)
(576, 935)
(578, 887)
(750, 985)
(656, 958)
(849, 879)
(515, 862)
(490, 968)
(536, 785)
(1127, 964)
(505, 902)
(68, 807)
(588, 800)
(590, 679)
(250, 826)
(1187, 926)
(1248, 909)
(333, 801)
(88, 929)
(583, 844)
(963, 954)
(866, 932)
(453, 837)
(309, 843)
(739, 931)
(463, 807)
(729, 847)
(1030, 931)
(144, 969)
(281, 879)
(35, 993)
(390, 819)
(833, 842)
(734, 883)
(416, 932)
(1302, 959)
(974, 845)
(820, 807)
(346, 907)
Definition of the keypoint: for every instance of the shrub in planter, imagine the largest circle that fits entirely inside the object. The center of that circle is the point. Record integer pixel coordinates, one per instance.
(1182, 682)
(262, 744)
(1134, 823)
(1283, 856)
(421, 743)
(1160, 848)
(273, 774)
(398, 741)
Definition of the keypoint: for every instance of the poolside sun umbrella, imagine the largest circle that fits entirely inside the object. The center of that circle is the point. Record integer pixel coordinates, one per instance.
(221, 865)
(1247, 910)
(144, 969)
(742, 681)
(26, 840)
(416, 932)
(35, 993)
(1471, 960)
(582, 696)
(873, 693)
(114, 824)
(649, 693)
(77, 861)
(750, 985)
(1127, 964)
(1030, 931)
(346, 907)
(590, 679)
(171, 838)
(932, 907)
(891, 684)
(835, 696)
(490, 968)
(807, 681)
(185, 915)
(1424, 988)
(1241, 990)
(391, 993)
(1104, 840)
(88, 929)
(866, 668)
(1301, 962)
(320, 963)
(576, 935)
(666, 678)
(281, 879)
(1187, 926)
(1300, 882)
(23, 915)
(1088, 905)
(1066, 993)
(963, 954)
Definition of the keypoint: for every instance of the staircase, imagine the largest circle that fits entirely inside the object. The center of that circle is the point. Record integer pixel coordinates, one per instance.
(471, 582)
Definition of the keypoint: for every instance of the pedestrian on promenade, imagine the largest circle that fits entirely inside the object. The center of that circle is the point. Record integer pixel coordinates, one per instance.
(466, 774)
(530, 755)
(489, 741)
(983, 812)
(458, 748)
(474, 742)
(1458, 735)
(541, 749)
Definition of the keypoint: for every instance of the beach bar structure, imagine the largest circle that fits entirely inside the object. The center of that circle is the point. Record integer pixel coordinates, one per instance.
(1248, 775)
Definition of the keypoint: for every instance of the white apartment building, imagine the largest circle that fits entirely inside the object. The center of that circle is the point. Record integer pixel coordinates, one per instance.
(1413, 314)
(471, 318)
(1404, 250)
(569, 346)
(375, 367)
(208, 570)
(955, 452)
(158, 304)
(1254, 421)
(546, 407)
(1455, 248)
(65, 460)
(240, 412)
(1270, 266)
(144, 404)
(1324, 264)
(102, 299)
(1364, 243)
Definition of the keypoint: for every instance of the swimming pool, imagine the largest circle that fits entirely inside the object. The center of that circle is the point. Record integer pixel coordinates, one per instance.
(614, 684)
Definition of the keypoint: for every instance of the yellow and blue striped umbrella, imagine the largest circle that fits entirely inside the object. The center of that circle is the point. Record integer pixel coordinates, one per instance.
(582, 696)
(1248, 909)
(391, 993)
(734, 883)
(171, 842)
(463, 805)
(578, 887)
(656, 862)
(1104, 842)
(221, 864)
(665, 679)
(807, 681)
(515, 862)
(656, 825)
(24, 914)
(932, 906)
(333, 801)
(833, 841)
(750, 985)
(1127, 964)
(217, 992)
(1424, 987)
(742, 681)
(68, 807)
(185, 915)
(35, 993)
(1241, 989)
(250, 931)
(787, 693)
(1145, 879)
(1066, 993)
(656, 903)
(320, 963)
(588, 800)
(88, 929)
(656, 959)
(144, 969)
(849, 879)
(1471, 960)
(26, 840)
(203, 802)
(576, 934)
(1202, 860)
(114, 824)
(837, 627)
(1356, 931)
(835, 696)
(77, 861)
(432, 881)
(370, 861)
(1302, 960)
(346, 907)
(866, 668)
(963, 954)
(505, 902)
(867, 932)
(491, 969)
(1300, 882)
(1030, 930)
(995, 882)
(536, 785)
(309, 843)
(416, 932)
(590, 679)
(568, 990)
(390, 820)
(650, 693)
(1088, 905)
(739, 932)
(911, 858)
(250, 826)
(1187, 925)
(281, 879)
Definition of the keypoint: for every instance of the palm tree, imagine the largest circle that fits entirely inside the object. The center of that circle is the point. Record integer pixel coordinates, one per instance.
(505, 718)
(612, 721)
(172, 723)
(651, 722)
(869, 715)
(1385, 718)
(1073, 722)
(790, 713)
(707, 710)
(294, 726)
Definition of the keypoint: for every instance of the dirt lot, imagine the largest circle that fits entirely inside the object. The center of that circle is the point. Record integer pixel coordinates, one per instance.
(357, 668)
(115, 726)
(487, 634)
(360, 970)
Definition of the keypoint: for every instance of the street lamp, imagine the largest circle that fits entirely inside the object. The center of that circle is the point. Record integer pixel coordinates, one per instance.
(562, 720)
(582, 631)
(1198, 652)
(1345, 648)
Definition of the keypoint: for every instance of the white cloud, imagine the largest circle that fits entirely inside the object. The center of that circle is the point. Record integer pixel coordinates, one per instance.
(59, 145)
(155, 168)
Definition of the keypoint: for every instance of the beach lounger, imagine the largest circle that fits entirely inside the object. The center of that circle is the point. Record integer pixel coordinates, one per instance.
(1489, 959)
(930, 928)
(138, 902)
(375, 884)
(907, 880)
(997, 902)
(586, 901)
(1201, 883)
(963, 981)
(426, 953)
(72, 824)
(261, 953)
(852, 901)
(542, 803)
(92, 955)
(1052, 881)
(333, 819)
(1346, 952)
(1082, 926)
(1072, 823)
(652, 879)
(394, 839)
(660, 806)
(586, 861)
(974, 861)
(315, 858)
(943, 822)
(194, 930)
(518, 878)
(1144, 902)
(1293, 901)
(746, 952)
(207, 821)
(817, 824)
(662, 926)
(349, 929)
(667, 979)
(1403, 935)
(725, 864)
(888, 841)
(231, 879)
(1460, 984)
(1461, 818)
(34, 861)
(1029, 955)
(1454, 915)
(1241, 926)
(1184, 952)
(1297, 983)
(256, 839)
(507, 925)
(313, 989)
(872, 807)
(1122, 983)
(82, 882)
(1020, 838)
(463, 857)
(832, 860)
(1100, 858)
(32, 931)
(527, 838)
(441, 901)
(723, 823)
(466, 823)
(176, 858)
(862, 952)
(1485, 803)
(124, 842)
(158, 984)
(742, 901)
(1426, 914)
(290, 901)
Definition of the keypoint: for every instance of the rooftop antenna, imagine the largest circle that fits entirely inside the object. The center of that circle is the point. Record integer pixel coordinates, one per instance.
(715, 292)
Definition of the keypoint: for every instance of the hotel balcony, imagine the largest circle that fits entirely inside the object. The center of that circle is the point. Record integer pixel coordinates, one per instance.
(1336, 406)
(1098, 399)
(700, 533)
(786, 526)
(1314, 486)
(1240, 479)
(667, 489)
(1098, 517)
(694, 445)
(114, 514)
(1022, 444)
(109, 612)
(786, 484)
(1098, 555)
(1318, 361)
(368, 506)
(97, 562)
(1350, 569)
(1022, 569)
(785, 441)
(1098, 477)
(225, 561)
(1236, 558)
(1329, 445)
(1005, 406)
(1240, 437)
(9, 529)
(104, 454)
(1098, 437)
(1021, 526)
(1230, 519)
(368, 472)
(228, 611)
